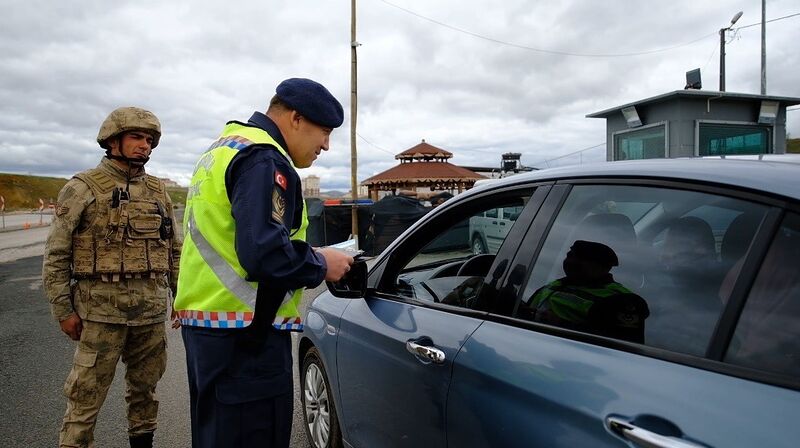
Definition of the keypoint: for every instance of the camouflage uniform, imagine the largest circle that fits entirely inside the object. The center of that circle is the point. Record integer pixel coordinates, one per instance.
(109, 260)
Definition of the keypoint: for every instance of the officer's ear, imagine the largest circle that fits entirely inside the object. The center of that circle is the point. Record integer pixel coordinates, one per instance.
(294, 119)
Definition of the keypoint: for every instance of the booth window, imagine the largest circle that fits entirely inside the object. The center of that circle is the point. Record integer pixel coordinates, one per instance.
(647, 143)
(733, 139)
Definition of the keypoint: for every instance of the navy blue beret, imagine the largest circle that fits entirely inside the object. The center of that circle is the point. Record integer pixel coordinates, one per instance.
(311, 100)
(593, 251)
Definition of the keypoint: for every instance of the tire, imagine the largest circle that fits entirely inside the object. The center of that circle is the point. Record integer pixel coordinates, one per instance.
(478, 246)
(316, 396)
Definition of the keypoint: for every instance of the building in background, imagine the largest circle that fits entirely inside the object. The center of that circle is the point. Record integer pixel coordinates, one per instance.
(170, 183)
(510, 164)
(696, 123)
(423, 171)
(310, 185)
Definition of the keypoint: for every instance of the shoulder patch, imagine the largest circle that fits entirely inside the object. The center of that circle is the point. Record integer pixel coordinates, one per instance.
(153, 183)
(280, 180)
(61, 209)
(278, 206)
(97, 180)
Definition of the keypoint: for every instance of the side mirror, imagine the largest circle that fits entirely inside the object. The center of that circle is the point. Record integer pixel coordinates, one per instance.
(354, 284)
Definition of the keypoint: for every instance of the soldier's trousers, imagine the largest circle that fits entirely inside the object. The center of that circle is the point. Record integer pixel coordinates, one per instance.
(142, 349)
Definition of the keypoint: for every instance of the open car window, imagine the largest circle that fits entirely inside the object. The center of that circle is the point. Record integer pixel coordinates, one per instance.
(447, 260)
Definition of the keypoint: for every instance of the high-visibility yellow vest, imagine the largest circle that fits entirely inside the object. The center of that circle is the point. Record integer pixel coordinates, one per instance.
(212, 290)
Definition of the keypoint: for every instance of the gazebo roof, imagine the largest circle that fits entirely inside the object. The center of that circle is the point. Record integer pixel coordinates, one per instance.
(424, 151)
(423, 172)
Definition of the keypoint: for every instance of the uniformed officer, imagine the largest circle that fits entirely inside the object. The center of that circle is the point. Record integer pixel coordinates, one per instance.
(245, 263)
(110, 269)
(588, 299)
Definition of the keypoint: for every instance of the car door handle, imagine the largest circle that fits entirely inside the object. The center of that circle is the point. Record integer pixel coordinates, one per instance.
(432, 354)
(647, 439)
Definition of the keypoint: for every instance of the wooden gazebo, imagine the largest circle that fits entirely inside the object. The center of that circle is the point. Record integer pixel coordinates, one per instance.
(422, 167)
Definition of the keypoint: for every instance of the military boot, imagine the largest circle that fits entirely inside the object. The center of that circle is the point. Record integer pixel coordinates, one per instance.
(142, 440)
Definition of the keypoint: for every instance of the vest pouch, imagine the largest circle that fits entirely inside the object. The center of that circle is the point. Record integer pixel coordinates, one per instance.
(150, 254)
(134, 256)
(144, 226)
(158, 255)
(83, 254)
(109, 256)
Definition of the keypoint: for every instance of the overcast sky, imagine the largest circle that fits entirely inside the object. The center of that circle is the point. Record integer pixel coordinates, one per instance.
(462, 74)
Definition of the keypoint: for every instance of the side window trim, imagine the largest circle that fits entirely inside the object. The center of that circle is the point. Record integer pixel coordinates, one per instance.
(516, 274)
(726, 326)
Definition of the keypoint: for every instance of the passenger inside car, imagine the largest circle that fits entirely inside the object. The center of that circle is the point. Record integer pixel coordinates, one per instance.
(588, 299)
(683, 293)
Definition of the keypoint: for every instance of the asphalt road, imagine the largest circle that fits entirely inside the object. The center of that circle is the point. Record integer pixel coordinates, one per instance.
(36, 357)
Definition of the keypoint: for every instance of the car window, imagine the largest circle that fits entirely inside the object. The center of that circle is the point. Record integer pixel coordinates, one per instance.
(767, 336)
(454, 258)
(657, 282)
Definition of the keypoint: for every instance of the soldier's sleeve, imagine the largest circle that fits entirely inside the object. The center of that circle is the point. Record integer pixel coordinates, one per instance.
(57, 266)
(177, 242)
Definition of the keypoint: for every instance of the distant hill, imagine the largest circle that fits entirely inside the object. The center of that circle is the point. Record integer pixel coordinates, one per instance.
(23, 192)
(332, 194)
(793, 145)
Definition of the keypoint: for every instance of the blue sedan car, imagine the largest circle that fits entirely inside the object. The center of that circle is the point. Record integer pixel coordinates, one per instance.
(643, 303)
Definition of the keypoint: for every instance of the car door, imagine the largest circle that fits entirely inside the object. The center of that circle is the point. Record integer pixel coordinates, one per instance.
(396, 347)
(681, 379)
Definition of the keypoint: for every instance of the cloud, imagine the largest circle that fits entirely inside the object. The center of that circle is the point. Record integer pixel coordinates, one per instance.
(198, 64)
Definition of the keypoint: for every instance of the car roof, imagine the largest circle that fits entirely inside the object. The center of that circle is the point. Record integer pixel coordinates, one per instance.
(775, 174)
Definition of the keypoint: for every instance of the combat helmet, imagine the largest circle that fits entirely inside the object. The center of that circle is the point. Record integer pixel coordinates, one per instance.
(126, 119)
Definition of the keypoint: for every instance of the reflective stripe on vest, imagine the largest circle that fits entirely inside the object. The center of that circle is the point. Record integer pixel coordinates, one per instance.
(218, 295)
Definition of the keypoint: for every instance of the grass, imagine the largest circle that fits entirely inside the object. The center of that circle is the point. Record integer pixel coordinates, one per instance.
(23, 192)
(793, 145)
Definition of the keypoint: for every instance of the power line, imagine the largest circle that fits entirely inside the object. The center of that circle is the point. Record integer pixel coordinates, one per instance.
(373, 144)
(542, 50)
(768, 21)
(568, 154)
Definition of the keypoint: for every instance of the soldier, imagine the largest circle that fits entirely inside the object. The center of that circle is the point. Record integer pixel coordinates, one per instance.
(110, 269)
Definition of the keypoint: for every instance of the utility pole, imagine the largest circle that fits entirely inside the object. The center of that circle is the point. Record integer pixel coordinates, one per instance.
(763, 47)
(353, 115)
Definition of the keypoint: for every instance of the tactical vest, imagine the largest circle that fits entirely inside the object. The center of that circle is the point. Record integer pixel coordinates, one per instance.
(126, 239)
(212, 290)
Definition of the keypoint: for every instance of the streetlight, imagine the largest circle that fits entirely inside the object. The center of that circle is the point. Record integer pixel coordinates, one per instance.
(722, 50)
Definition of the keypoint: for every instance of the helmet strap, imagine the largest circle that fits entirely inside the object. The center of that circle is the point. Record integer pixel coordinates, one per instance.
(131, 162)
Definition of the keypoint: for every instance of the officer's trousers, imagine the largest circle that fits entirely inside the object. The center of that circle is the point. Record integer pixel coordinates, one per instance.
(240, 387)
(142, 349)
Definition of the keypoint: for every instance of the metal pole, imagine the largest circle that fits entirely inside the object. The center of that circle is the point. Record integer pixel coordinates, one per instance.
(353, 115)
(722, 60)
(763, 47)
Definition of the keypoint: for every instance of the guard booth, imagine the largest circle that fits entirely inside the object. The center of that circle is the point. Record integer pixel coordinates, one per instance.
(696, 123)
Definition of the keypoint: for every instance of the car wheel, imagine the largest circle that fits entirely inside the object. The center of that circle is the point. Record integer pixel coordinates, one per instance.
(322, 425)
(478, 246)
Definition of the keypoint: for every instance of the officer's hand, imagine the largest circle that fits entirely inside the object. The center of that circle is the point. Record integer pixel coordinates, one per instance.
(338, 263)
(72, 327)
(176, 323)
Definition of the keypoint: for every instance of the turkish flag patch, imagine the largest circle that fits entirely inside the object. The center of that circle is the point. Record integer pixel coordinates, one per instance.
(280, 179)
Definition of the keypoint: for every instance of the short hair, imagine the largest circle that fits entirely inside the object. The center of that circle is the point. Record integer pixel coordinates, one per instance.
(278, 105)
